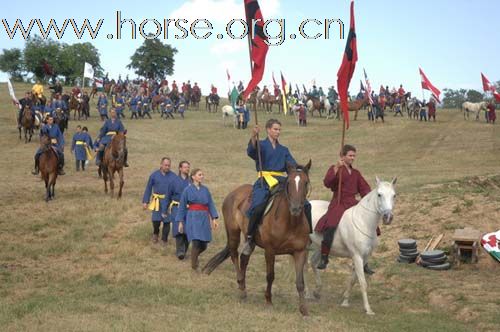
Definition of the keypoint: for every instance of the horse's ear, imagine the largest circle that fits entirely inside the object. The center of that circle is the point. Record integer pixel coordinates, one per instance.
(394, 180)
(308, 166)
(377, 180)
(289, 167)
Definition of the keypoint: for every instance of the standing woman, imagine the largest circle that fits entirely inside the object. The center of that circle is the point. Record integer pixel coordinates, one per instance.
(183, 180)
(197, 216)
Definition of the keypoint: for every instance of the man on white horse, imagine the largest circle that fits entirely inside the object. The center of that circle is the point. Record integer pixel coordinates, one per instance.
(353, 183)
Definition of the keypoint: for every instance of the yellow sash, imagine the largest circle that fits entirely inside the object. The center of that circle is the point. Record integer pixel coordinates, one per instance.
(269, 177)
(155, 202)
(112, 133)
(53, 140)
(172, 204)
(87, 150)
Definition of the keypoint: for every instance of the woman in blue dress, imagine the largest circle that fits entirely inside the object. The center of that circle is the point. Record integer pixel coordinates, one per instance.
(197, 216)
(182, 181)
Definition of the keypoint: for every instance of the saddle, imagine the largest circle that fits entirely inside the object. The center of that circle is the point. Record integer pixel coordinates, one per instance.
(270, 200)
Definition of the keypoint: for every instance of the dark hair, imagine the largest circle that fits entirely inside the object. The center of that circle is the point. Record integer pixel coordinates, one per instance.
(165, 158)
(79, 126)
(346, 148)
(193, 172)
(182, 163)
(85, 129)
(272, 122)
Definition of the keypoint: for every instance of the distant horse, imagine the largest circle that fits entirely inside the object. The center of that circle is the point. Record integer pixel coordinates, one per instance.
(211, 101)
(48, 167)
(228, 111)
(414, 106)
(113, 161)
(93, 92)
(195, 98)
(75, 106)
(61, 120)
(356, 235)
(284, 231)
(356, 105)
(468, 107)
(314, 104)
(269, 100)
(85, 106)
(252, 100)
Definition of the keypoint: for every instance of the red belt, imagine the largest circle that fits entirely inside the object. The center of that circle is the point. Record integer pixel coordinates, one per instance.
(198, 207)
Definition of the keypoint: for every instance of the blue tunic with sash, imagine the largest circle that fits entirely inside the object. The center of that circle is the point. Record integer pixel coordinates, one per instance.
(108, 130)
(179, 185)
(79, 143)
(102, 105)
(273, 160)
(159, 184)
(196, 223)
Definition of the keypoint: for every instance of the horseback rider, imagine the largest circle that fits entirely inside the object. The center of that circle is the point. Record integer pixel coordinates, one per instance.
(37, 89)
(401, 91)
(57, 140)
(275, 158)
(56, 88)
(314, 92)
(110, 128)
(321, 94)
(353, 183)
(27, 101)
(332, 95)
(213, 90)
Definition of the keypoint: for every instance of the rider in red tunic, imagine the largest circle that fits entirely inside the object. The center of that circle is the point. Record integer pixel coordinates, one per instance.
(213, 90)
(353, 183)
(401, 91)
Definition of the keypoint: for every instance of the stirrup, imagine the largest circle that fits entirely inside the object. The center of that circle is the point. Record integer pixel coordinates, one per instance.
(323, 263)
(35, 171)
(247, 248)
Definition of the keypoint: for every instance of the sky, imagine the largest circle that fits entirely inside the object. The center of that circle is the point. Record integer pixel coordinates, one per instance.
(453, 41)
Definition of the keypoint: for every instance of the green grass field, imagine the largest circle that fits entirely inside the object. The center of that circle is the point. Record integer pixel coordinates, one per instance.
(84, 262)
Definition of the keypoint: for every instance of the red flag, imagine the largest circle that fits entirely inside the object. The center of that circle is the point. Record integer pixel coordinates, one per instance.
(497, 96)
(283, 83)
(227, 73)
(259, 46)
(274, 80)
(347, 67)
(427, 85)
(487, 86)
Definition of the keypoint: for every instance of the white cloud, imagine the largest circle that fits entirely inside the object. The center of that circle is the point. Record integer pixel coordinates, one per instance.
(217, 11)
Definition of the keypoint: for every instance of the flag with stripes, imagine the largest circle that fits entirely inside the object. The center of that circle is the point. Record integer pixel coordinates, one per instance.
(368, 88)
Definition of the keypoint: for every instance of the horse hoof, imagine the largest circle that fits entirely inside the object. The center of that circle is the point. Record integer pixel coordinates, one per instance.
(243, 295)
(370, 313)
(316, 295)
(345, 304)
(304, 311)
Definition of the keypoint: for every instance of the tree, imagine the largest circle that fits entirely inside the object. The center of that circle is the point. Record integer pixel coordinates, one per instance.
(153, 60)
(72, 59)
(38, 53)
(474, 96)
(11, 62)
(454, 98)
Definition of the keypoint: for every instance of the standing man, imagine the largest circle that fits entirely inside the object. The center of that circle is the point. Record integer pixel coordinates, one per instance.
(491, 112)
(275, 158)
(181, 182)
(102, 106)
(157, 198)
(353, 183)
(431, 106)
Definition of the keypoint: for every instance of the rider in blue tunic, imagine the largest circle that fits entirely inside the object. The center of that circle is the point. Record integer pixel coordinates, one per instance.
(102, 106)
(181, 182)
(110, 128)
(275, 158)
(57, 139)
(157, 198)
(196, 215)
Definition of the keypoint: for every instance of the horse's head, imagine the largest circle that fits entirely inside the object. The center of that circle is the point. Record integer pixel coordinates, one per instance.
(297, 187)
(118, 144)
(44, 142)
(385, 199)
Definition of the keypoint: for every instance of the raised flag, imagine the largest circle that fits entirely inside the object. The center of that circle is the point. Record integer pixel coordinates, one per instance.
(491, 243)
(368, 88)
(487, 86)
(12, 94)
(427, 85)
(274, 80)
(259, 46)
(99, 84)
(497, 96)
(361, 87)
(283, 95)
(347, 67)
(88, 71)
(228, 76)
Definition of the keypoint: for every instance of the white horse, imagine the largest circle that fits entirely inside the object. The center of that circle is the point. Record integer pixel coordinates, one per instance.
(228, 110)
(356, 235)
(474, 107)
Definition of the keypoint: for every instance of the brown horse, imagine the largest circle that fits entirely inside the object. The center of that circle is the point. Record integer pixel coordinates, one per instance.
(284, 231)
(356, 105)
(48, 167)
(27, 124)
(75, 106)
(314, 104)
(269, 100)
(113, 161)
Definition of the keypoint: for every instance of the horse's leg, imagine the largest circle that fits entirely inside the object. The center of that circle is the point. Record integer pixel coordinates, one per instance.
(314, 261)
(111, 174)
(360, 273)
(244, 259)
(104, 170)
(356, 115)
(300, 258)
(47, 188)
(120, 172)
(347, 292)
(270, 258)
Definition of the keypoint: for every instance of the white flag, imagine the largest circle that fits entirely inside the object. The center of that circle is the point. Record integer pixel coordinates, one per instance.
(88, 71)
(11, 92)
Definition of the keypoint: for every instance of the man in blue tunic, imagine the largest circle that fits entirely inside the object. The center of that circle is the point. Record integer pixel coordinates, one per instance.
(110, 128)
(102, 106)
(57, 139)
(80, 146)
(157, 198)
(275, 158)
(134, 106)
(120, 106)
(181, 182)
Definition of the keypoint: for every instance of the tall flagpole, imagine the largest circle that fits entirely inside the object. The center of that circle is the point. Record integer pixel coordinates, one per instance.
(250, 33)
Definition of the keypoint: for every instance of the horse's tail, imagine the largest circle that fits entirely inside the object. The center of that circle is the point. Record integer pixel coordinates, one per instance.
(215, 261)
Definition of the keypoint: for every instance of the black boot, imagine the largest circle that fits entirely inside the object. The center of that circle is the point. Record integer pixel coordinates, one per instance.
(323, 262)
(253, 225)
(60, 166)
(367, 270)
(35, 171)
(308, 213)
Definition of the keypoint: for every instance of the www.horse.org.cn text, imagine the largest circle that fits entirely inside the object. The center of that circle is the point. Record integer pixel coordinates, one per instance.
(274, 30)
